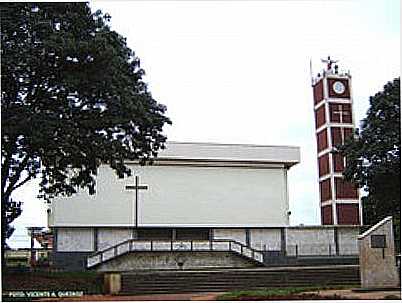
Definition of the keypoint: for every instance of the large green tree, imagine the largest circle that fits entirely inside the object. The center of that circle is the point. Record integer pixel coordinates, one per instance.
(72, 97)
(373, 157)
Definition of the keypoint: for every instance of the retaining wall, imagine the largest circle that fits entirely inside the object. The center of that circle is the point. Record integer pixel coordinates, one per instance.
(172, 260)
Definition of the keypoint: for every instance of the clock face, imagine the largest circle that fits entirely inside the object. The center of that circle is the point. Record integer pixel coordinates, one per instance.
(338, 87)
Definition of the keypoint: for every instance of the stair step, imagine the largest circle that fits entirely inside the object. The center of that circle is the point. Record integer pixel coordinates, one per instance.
(267, 277)
(219, 278)
(238, 287)
(227, 274)
(235, 281)
(211, 289)
(207, 288)
(225, 280)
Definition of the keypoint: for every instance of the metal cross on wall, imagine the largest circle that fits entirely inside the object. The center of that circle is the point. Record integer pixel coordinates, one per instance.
(136, 187)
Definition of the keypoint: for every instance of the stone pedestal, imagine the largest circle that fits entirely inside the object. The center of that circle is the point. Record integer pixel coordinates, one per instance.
(112, 283)
(377, 257)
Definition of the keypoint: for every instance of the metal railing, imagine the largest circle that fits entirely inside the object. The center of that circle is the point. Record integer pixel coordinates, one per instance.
(133, 245)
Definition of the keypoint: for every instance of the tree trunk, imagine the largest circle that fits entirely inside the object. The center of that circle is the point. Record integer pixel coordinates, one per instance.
(4, 199)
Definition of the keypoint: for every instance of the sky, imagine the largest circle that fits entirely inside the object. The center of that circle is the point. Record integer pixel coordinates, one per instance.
(239, 72)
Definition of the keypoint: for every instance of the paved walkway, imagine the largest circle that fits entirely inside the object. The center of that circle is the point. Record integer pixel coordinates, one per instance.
(352, 295)
(344, 293)
(157, 297)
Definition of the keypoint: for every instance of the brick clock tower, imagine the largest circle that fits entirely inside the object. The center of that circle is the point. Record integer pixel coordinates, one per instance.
(334, 122)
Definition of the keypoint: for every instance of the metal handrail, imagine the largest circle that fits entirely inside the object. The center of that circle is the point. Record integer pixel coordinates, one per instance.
(101, 256)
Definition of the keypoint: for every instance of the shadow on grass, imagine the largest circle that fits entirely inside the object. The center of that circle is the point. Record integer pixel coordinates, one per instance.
(285, 293)
(13, 280)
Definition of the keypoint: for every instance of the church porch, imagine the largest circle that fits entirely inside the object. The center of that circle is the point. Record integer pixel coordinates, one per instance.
(279, 245)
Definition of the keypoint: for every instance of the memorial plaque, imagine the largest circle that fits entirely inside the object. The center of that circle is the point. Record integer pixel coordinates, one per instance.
(378, 241)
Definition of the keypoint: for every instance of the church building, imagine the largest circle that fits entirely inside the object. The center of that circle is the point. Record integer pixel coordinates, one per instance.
(198, 205)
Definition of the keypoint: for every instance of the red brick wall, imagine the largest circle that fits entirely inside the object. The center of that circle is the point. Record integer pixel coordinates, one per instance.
(332, 94)
(338, 164)
(347, 132)
(323, 165)
(322, 142)
(326, 215)
(348, 214)
(318, 92)
(337, 132)
(320, 116)
(336, 135)
(325, 190)
(345, 189)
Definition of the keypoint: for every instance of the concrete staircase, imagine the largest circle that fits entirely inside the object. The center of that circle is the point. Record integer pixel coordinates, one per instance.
(182, 246)
(237, 279)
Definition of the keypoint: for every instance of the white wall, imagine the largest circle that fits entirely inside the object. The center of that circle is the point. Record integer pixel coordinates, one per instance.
(310, 241)
(75, 239)
(238, 235)
(265, 239)
(347, 241)
(108, 237)
(181, 196)
(111, 205)
(217, 151)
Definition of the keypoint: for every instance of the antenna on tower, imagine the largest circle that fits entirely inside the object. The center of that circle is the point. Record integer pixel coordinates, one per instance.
(311, 73)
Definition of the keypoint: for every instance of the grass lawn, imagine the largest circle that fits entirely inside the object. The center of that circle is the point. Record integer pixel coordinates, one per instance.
(88, 282)
(288, 293)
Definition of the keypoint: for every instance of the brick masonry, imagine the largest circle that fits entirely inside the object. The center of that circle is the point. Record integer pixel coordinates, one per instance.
(320, 116)
(334, 124)
(322, 142)
(326, 215)
(323, 165)
(318, 92)
(325, 190)
(348, 213)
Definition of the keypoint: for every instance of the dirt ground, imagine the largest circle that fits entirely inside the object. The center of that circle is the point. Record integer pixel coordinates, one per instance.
(159, 297)
(346, 294)
(352, 295)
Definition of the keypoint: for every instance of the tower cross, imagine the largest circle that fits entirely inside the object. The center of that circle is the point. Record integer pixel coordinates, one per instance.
(342, 113)
(136, 187)
(329, 62)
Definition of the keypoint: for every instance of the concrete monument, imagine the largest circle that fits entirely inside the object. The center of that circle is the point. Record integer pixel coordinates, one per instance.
(377, 257)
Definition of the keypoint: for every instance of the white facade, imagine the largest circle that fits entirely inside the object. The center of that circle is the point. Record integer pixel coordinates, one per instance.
(238, 235)
(288, 155)
(310, 241)
(75, 239)
(190, 185)
(266, 239)
(107, 237)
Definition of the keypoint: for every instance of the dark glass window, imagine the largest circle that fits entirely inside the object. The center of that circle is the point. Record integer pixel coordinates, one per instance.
(192, 234)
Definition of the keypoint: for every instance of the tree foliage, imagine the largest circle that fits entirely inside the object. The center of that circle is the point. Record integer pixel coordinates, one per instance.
(72, 97)
(373, 156)
(13, 211)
